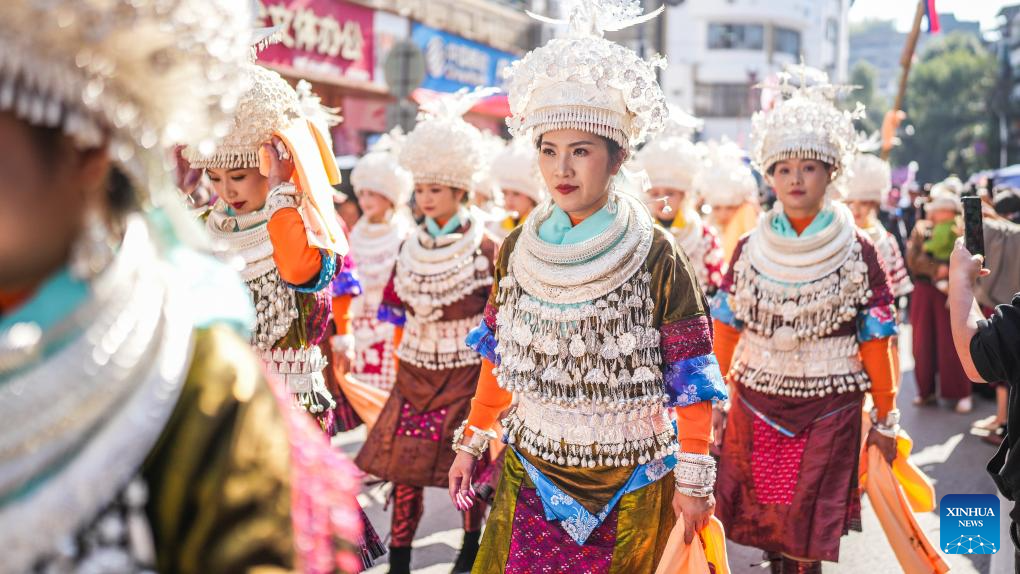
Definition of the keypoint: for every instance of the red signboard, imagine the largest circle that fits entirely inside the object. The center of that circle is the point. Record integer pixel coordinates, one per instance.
(321, 37)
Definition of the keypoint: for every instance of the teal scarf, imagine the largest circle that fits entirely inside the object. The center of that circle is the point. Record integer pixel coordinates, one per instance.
(450, 227)
(782, 226)
(558, 229)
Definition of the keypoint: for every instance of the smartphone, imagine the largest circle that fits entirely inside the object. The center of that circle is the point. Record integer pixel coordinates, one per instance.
(973, 226)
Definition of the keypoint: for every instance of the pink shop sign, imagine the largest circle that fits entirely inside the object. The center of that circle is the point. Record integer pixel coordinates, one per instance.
(320, 37)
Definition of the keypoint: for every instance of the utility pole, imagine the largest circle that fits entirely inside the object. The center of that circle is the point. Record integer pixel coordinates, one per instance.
(894, 116)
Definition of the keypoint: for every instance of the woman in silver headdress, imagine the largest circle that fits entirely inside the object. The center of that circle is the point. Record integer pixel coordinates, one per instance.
(435, 296)
(137, 433)
(804, 325)
(596, 329)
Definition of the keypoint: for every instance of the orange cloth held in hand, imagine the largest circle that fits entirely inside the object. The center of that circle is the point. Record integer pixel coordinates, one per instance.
(910, 544)
(489, 400)
(342, 313)
(880, 364)
(366, 400)
(724, 343)
(708, 547)
(694, 427)
(297, 262)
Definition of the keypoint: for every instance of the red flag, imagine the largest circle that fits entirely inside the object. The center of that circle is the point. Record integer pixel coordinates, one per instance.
(933, 17)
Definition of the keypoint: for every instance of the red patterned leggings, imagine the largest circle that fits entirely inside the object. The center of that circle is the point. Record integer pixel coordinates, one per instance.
(408, 507)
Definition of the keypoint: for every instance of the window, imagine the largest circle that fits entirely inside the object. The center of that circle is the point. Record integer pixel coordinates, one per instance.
(723, 100)
(786, 41)
(832, 30)
(736, 37)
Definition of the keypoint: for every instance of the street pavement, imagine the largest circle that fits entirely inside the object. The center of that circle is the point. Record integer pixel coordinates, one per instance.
(945, 447)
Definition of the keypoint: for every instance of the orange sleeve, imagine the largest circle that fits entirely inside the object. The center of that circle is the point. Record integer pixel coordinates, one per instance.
(694, 427)
(724, 344)
(297, 261)
(489, 401)
(342, 313)
(398, 336)
(881, 364)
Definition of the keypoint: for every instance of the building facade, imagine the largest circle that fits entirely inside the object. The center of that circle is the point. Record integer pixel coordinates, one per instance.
(340, 47)
(718, 50)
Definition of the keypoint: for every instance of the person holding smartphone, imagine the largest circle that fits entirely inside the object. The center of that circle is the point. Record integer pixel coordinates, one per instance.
(989, 352)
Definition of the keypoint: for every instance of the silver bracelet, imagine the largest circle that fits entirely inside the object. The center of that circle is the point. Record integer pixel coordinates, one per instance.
(477, 444)
(703, 492)
(890, 427)
(695, 469)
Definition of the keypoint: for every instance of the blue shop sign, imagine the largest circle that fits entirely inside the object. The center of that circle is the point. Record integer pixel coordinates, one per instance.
(452, 62)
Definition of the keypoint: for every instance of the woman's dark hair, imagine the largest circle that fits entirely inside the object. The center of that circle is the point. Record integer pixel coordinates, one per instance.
(120, 191)
(828, 166)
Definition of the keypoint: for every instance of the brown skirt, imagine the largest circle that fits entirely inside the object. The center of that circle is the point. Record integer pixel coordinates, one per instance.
(797, 494)
(410, 443)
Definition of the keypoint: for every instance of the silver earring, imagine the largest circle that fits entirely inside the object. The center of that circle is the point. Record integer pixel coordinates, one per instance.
(92, 251)
(611, 205)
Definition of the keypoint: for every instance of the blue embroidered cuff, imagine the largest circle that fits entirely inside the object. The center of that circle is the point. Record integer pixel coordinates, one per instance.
(694, 380)
(877, 323)
(483, 341)
(346, 283)
(326, 274)
(390, 314)
(721, 311)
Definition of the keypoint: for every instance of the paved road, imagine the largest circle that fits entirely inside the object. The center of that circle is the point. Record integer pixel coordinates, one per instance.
(945, 448)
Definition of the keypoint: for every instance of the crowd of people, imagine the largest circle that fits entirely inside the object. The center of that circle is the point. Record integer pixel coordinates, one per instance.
(599, 337)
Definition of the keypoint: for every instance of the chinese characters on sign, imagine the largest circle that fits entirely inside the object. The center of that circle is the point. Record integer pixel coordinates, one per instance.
(325, 37)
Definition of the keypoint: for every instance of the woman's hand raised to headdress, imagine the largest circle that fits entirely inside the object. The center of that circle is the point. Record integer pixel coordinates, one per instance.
(281, 166)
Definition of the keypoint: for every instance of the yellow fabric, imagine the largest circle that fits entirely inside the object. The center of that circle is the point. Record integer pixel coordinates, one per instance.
(315, 173)
(744, 220)
(914, 552)
(916, 485)
(709, 547)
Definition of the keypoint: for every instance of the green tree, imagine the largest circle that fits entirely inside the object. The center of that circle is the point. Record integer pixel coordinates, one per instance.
(947, 103)
(864, 76)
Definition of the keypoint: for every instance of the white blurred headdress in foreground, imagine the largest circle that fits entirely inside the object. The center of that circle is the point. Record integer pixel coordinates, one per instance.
(141, 75)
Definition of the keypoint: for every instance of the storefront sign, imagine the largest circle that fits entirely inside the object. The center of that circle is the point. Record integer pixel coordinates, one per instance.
(324, 37)
(452, 62)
